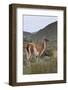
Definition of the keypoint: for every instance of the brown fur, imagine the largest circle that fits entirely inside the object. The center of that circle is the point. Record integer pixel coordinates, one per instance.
(35, 49)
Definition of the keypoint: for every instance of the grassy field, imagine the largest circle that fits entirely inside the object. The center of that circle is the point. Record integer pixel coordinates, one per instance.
(45, 64)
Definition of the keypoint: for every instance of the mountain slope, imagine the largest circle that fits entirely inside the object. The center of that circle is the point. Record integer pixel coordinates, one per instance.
(50, 32)
(26, 34)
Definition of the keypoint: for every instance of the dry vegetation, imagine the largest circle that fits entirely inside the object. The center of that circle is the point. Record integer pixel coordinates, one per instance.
(44, 64)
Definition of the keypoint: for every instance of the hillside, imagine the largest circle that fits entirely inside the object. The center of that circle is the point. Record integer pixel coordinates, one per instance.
(26, 34)
(50, 32)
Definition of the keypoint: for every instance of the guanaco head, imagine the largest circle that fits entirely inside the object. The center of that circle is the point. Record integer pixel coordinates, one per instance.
(45, 39)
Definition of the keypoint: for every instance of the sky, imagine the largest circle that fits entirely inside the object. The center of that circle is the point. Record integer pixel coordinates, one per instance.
(35, 23)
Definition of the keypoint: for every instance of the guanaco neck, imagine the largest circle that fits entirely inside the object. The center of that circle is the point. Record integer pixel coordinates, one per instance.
(45, 44)
(44, 47)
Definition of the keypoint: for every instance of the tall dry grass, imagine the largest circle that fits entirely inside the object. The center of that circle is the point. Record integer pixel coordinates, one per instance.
(45, 64)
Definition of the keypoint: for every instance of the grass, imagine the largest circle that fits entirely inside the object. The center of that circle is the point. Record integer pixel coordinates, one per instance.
(45, 64)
